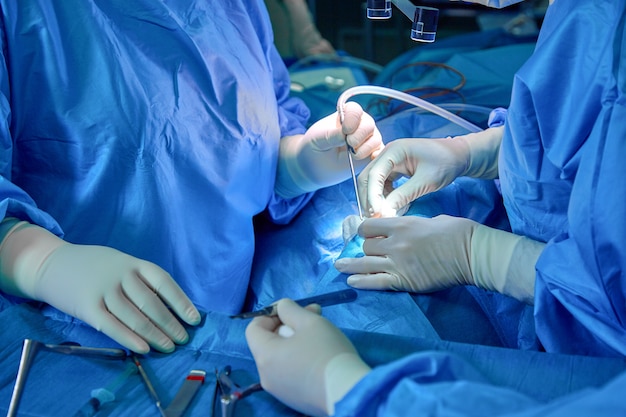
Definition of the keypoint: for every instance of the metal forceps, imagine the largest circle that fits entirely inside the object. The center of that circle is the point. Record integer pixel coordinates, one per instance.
(350, 151)
(230, 392)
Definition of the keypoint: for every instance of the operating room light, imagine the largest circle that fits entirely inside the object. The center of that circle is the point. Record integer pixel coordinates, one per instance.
(424, 28)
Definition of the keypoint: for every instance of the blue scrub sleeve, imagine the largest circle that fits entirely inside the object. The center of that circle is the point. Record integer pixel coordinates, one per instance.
(440, 384)
(580, 294)
(14, 202)
(293, 116)
(429, 383)
(581, 283)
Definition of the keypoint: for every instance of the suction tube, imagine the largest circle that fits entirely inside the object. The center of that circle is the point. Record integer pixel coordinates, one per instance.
(407, 98)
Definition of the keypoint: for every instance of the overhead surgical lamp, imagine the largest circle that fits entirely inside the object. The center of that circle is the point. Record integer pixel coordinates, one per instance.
(424, 19)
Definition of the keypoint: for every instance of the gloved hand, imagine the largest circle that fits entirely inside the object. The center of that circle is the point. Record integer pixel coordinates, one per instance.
(318, 158)
(430, 164)
(423, 255)
(124, 297)
(312, 369)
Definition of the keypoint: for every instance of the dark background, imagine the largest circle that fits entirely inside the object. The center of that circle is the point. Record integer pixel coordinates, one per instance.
(344, 24)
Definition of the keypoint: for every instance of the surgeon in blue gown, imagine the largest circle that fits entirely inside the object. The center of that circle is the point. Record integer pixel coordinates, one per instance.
(559, 156)
(138, 140)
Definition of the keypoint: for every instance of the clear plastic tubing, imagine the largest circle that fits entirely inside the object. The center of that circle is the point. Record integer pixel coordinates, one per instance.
(407, 98)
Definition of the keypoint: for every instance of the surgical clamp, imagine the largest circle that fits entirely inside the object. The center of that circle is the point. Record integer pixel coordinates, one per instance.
(230, 392)
(30, 349)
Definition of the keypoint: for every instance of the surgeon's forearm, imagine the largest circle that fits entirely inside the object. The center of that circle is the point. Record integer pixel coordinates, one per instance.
(504, 262)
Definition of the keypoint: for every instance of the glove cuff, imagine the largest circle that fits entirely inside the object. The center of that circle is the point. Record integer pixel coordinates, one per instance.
(483, 153)
(291, 180)
(24, 249)
(341, 374)
(504, 262)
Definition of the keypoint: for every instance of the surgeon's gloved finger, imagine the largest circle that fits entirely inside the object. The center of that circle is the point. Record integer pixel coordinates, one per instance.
(380, 281)
(362, 265)
(325, 134)
(352, 115)
(409, 191)
(366, 145)
(293, 315)
(375, 180)
(107, 323)
(151, 306)
(366, 139)
(262, 329)
(377, 227)
(314, 308)
(136, 321)
(169, 291)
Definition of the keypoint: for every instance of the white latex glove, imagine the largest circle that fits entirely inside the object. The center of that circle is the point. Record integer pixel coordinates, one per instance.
(430, 164)
(124, 297)
(319, 158)
(310, 370)
(423, 255)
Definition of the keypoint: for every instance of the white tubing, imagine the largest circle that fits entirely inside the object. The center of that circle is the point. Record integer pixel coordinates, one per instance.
(407, 98)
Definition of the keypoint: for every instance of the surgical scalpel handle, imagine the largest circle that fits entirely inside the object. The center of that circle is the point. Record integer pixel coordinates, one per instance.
(324, 300)
(149, 386)
(186, 393)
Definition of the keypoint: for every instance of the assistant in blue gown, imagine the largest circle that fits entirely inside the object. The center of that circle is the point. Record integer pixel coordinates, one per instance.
(149, 126)
(562, 172)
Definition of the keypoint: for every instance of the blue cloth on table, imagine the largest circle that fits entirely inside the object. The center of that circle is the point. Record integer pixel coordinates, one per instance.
(61, 384)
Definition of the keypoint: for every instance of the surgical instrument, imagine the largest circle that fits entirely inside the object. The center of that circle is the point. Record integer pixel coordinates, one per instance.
(149, 386)
(106, 394)
(186, 393)
(30, 349)
(183, 397)
(324, 300)
(230, 392)
(350, 151)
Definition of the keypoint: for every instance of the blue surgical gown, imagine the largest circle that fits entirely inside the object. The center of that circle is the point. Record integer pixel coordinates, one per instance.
(151, 126)
(562, 171)
(561, 175)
